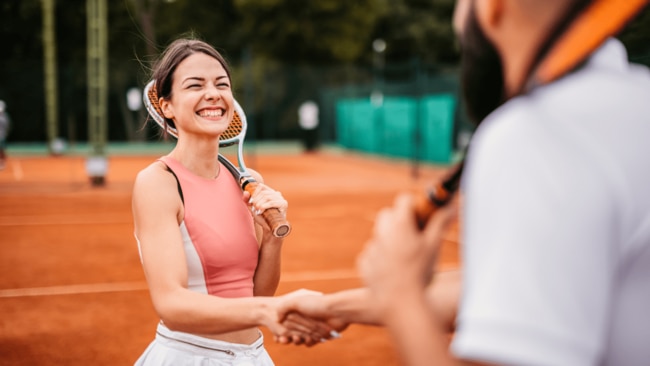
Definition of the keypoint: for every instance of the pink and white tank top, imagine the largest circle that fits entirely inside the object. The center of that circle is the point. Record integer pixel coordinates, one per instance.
(218, 233)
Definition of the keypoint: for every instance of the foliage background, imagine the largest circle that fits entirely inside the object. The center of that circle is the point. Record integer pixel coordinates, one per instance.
(282, 52)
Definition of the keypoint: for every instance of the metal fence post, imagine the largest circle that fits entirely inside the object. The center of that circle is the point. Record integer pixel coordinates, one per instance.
(97, 61)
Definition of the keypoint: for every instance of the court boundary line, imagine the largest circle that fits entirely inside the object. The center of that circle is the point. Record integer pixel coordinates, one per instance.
(79, 289)
(50, 220)
(94, 288)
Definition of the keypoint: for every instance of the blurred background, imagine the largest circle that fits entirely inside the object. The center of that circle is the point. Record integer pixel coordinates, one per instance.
(376, 69)
(380, 76)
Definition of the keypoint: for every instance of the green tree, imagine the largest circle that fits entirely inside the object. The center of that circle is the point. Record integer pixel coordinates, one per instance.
(314, 32)
(419, 29)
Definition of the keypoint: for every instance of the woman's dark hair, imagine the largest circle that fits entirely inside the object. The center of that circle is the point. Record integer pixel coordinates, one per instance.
(172, 56)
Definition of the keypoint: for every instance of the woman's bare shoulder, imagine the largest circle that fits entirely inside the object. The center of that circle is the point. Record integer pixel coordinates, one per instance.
(154, 176)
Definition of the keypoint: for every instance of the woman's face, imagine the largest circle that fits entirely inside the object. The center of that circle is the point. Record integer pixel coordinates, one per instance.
(202, 101)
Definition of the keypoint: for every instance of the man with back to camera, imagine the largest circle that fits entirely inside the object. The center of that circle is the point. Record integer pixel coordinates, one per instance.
(556, 209)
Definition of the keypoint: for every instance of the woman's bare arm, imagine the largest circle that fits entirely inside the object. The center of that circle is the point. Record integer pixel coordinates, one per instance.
(156, 208)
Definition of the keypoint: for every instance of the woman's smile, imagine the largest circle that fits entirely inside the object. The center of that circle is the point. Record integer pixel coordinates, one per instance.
(211, 113)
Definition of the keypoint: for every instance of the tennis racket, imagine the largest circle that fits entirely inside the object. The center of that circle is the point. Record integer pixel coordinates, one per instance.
(600, 20)
(234, 135)
(437, 196)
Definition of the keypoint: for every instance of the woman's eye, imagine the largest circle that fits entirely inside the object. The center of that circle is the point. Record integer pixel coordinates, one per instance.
(223, 85)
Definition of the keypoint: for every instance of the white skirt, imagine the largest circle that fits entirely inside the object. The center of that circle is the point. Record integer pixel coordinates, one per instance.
(178, 349)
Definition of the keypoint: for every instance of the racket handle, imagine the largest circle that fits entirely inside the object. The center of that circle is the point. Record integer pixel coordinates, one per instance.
(438, 196)
(427, 205)
(279, 225)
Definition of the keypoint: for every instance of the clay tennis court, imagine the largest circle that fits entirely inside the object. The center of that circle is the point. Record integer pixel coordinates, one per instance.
(72, 291)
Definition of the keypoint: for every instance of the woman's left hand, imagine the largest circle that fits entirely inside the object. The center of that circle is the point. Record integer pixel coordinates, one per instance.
(262, 199)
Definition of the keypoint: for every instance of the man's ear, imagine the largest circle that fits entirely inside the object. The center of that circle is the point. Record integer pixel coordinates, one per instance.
(166, 109)
(461, 12)
(489, 12)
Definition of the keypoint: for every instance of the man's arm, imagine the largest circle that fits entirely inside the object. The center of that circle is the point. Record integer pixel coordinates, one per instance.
(339, 309)
(443, 297)
(395, 265)
(346, 307)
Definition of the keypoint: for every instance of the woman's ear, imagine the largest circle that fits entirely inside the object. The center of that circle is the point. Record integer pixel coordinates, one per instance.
(166, 108)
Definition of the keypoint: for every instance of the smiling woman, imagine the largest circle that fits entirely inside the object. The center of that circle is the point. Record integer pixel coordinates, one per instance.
(176, 53)
(211, 262)
(202, 92)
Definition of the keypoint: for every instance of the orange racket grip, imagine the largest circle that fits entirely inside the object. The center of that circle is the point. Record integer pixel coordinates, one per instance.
(426, 205)
(438, 196)
(279, 225)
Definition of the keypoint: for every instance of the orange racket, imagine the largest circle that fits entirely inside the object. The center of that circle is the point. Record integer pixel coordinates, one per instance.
(600, 20)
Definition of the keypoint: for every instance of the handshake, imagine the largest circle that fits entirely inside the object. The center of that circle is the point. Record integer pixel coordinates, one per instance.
(306, 317)
(397, 267)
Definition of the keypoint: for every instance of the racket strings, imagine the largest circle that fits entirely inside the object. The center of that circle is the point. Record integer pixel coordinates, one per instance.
(153, 98)
(234, 129)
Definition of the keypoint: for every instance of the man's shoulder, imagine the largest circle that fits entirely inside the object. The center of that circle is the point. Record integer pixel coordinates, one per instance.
(517, 119)
(603, 86)
(607, 74)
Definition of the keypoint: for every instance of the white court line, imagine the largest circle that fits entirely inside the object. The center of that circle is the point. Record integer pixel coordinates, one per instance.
(60, 220)
(74, 289)
(287, 277)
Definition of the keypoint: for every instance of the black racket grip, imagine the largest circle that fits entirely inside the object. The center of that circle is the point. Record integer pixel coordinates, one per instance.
(428, 204)
(279, 225)
(438, 196)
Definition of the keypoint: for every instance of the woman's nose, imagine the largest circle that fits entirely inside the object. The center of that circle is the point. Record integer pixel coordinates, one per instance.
(212, 93)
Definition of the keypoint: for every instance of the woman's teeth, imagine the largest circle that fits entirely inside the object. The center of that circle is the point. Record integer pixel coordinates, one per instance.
(211, 113)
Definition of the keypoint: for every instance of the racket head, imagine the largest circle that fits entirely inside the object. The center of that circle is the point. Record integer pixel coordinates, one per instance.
(235, 132)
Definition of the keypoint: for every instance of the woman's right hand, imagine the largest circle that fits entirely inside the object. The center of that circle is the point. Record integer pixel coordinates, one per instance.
(308, 309)
(299, 328)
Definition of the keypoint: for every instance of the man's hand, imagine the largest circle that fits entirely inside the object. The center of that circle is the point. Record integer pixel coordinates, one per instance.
(399, 259)
(297, 313)
(298, 328)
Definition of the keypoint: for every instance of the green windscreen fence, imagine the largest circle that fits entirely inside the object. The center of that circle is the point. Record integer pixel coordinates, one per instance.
(405, 127)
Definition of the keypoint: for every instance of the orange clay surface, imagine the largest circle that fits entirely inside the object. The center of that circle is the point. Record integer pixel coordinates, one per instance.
(72, 291)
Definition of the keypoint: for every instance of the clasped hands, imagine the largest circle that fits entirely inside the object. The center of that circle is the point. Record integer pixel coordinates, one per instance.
(302, 319)
(397, 263)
